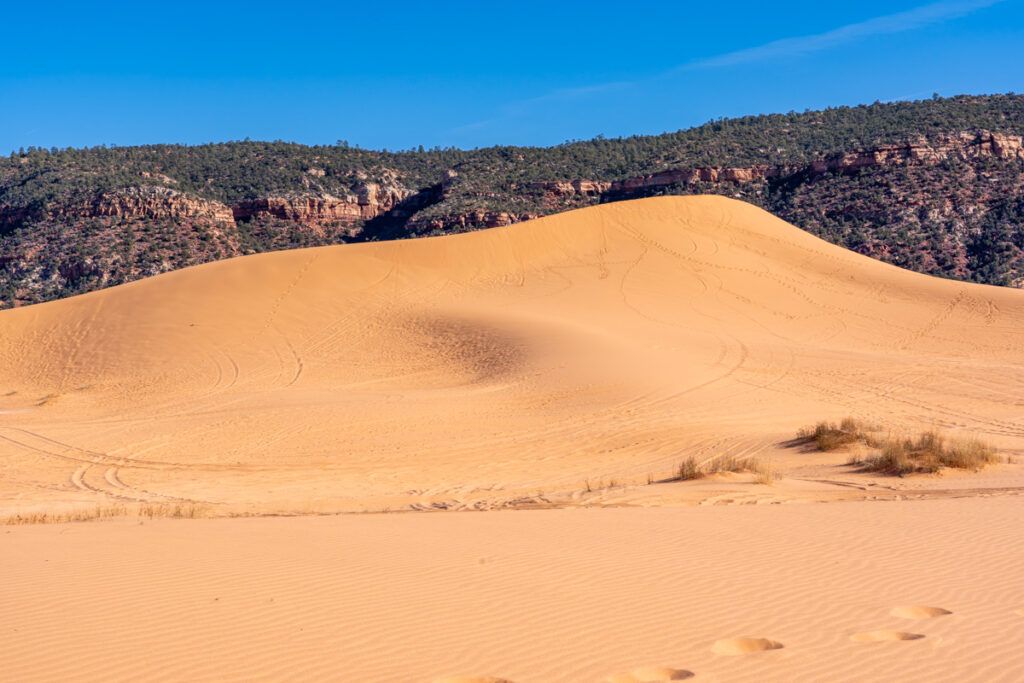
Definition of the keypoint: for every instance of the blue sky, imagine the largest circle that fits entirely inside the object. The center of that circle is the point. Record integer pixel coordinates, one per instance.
(469, 74)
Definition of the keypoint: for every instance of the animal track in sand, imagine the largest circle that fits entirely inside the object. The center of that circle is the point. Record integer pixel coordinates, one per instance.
(918, 612)
(651, 674)
(744, 646)
(884, 636)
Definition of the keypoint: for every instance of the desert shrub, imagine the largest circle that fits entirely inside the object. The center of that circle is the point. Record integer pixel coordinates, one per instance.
(764, 473)
(691, 469)
(929, 452)
(828, 436)
(968, 454)
(894, 457)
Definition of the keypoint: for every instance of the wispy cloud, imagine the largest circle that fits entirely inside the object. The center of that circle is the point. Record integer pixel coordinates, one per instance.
(520, 107)
(899, 22)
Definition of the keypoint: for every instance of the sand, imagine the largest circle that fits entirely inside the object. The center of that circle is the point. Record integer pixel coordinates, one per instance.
(580, 595)
(566, 366)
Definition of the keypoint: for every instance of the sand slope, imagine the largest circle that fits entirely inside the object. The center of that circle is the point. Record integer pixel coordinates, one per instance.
(539, 596)
(513, 366)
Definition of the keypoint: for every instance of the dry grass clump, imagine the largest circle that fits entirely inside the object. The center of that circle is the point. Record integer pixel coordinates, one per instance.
(690, 468)
(929, 452)
(828, 436)
(764, 473)
(150, 511)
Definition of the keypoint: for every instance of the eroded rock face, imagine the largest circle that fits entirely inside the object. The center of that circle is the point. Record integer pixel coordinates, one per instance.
(301, 208)
(368, 200)
(692, 176)
(152, 202)
(963, 145)
(471, 220)
(1006, 146)
(567, 188)
(674, 176)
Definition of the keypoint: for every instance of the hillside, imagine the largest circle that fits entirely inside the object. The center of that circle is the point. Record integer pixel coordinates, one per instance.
(935, 186)
(575, 358)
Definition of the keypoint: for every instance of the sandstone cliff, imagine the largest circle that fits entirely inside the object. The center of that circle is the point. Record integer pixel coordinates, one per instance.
(152, 202)
(365, 201)
(963, 145)
(368, 199)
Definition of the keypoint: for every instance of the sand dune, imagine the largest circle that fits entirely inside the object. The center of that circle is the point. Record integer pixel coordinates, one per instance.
(515, 366)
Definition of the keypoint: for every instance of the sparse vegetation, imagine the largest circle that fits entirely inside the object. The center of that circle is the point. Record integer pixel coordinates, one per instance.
(828, 436)
(591, 485)
(149, 511)
(690, 468)
(764, 472)
(930, 451)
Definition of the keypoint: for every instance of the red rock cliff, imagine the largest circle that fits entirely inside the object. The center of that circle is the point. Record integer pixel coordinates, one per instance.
(964, 145)
(152, 202)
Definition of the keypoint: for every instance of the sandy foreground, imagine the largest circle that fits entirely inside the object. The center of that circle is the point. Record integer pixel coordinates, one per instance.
(546, 595)
(534, 388)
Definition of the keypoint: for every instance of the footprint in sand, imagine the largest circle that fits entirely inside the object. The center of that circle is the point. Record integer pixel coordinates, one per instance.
(744, 646)
(918, 612)
(651, 674)
(471, 679)
(884, 636)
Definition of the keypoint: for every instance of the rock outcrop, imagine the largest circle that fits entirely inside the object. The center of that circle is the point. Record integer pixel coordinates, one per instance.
(301, 208)
(470, 220)
(367, 200)
(963, 145)
(146, 202)
(155, 202)
(567, 188)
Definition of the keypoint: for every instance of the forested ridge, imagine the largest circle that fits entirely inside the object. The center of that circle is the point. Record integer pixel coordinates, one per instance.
(933, 185)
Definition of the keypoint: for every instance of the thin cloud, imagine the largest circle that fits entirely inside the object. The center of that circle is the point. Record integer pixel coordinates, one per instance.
(520, 107)
(899, 22)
